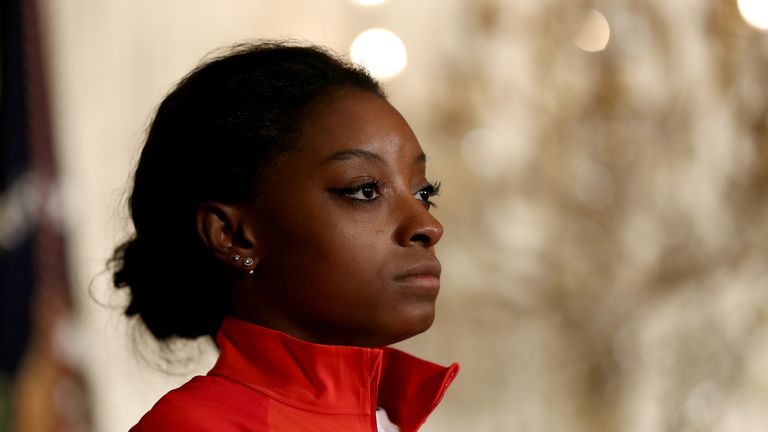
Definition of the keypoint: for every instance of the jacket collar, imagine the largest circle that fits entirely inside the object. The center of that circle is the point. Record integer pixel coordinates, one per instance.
(331, 379)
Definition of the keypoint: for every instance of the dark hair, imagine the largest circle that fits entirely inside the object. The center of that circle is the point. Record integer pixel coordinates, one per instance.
(210, 140)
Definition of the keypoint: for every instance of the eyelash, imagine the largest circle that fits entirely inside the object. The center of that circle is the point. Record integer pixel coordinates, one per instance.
(431, 190)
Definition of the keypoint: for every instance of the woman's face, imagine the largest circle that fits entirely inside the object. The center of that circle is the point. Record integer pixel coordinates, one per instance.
(345, 233)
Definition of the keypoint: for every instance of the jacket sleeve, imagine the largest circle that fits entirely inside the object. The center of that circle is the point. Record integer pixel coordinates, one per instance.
(219, 407)
(186, 420)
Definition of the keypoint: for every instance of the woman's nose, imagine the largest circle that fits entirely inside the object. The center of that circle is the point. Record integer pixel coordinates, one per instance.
(418, 227)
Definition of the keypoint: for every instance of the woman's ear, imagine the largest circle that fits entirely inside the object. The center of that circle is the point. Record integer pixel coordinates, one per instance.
(229, 234)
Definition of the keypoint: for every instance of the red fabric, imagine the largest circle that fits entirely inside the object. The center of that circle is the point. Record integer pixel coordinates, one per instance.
(265, 380)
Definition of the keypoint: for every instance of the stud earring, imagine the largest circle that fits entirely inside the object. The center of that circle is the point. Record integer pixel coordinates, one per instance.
(247, 262)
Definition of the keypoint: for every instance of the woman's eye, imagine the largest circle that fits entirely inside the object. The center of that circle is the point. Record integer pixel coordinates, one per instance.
(364, 192)
(425, 193)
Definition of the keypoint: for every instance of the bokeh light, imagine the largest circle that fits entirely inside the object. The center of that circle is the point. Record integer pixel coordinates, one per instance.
(594, 33)
(755, 13)
(380, 51)
(368, 2)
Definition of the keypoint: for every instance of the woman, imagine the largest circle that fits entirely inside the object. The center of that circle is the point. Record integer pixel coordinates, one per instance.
(281, 207)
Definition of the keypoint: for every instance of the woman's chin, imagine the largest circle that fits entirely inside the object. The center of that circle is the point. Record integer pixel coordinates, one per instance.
(412, 325)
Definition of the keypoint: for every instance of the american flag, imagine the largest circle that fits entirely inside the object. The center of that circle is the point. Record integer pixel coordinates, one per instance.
(40, 387)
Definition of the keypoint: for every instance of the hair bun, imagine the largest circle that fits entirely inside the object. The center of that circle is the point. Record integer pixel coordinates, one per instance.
(170, 303)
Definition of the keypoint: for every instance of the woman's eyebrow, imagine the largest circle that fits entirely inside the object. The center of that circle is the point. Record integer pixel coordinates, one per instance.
(350, 154)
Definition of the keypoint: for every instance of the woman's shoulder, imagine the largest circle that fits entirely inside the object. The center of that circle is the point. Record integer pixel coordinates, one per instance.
(207, 403)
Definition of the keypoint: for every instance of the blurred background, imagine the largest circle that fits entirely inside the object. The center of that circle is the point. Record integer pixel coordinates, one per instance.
(605, 170)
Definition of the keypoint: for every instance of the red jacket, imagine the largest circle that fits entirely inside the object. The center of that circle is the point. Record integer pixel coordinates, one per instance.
(265, 380)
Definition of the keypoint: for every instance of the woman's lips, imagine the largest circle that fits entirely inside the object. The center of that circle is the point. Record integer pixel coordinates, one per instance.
(426, 275)
(420, 279)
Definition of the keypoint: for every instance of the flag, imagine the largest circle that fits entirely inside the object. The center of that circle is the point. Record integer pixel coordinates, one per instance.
(40, 387)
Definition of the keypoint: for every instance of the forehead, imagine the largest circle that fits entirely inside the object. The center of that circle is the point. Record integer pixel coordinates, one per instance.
(350, 119)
